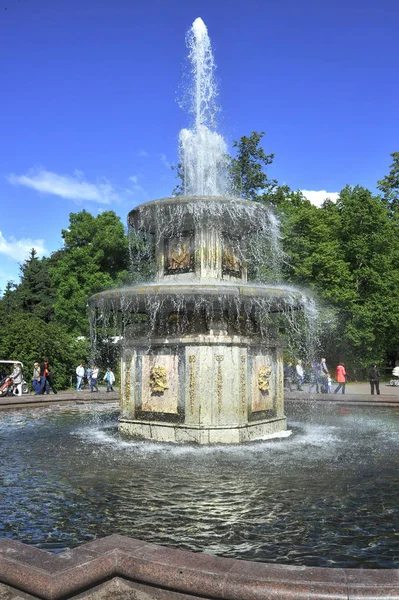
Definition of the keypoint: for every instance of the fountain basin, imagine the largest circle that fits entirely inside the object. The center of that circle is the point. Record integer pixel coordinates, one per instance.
(180, 213)
(139, 298)
(323, 497)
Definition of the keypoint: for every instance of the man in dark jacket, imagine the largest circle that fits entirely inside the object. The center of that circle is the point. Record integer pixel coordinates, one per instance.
(46, 378)
(374, 377)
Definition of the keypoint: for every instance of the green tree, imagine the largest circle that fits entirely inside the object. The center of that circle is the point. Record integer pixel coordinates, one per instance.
(370, 241)
(8, 302)
(348, 255)
(95, 257)
(34, 294)
(247, 174)
(178, 190)
(30, 339)
(389, 185)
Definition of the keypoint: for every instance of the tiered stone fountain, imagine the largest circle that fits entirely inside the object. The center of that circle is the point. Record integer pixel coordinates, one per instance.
(202, 358)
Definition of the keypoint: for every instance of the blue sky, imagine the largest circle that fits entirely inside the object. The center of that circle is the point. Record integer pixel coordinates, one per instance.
(89, 116)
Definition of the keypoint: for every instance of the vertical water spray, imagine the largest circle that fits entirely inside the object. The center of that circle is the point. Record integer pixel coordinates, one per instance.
(202, 151)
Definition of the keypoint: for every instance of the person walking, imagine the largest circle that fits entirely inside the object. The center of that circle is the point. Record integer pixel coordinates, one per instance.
(109, 377)
(324, 368)
(341, 378)
(289, 374)
(44, 384)
(299, 375)
(36, 378)
(374, 377)
(46, 378)
(324, 375)
(50, 381)
(86, 378)
(316, 369)
(93, 378)
(16, 376)
(80, 373)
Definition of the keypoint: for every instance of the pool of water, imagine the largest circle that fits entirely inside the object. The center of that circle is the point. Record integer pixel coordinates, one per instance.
(325, 496)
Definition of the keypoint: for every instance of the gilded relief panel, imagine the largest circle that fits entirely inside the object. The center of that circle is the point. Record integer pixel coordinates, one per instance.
(160, 383)
(262, 387)
(179, 254)
(231, 257)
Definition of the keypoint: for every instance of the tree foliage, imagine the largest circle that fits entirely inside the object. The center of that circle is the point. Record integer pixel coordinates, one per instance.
(46, 315)
(248, 177)
(95, 257)
(389, 185)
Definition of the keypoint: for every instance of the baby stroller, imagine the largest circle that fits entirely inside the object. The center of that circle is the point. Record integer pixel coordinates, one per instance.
(395, 373)
(6, 387)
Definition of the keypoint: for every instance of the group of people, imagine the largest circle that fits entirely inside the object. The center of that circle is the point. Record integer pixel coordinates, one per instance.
(43, 378)
(321, 379)
(91, 375)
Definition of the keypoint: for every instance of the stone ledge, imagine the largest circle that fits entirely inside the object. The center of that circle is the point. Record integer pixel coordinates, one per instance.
(172, 573)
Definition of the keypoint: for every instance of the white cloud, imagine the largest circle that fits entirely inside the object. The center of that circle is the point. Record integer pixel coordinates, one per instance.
(161, 156)
(165, 161)
(66, 186)
(18, 250)
(135, 188)
(317, 197)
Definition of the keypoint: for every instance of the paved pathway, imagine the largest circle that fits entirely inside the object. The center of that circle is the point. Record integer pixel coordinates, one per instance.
(355, 393)
(64, 396)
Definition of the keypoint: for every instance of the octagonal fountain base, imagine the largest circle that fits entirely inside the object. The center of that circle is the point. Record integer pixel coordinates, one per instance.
(163, 432)
(209, 389)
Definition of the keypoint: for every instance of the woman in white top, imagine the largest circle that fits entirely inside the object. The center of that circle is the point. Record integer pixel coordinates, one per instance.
(299, 375)
(16, 376)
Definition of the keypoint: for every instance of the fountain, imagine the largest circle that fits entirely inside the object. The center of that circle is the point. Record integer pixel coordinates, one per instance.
(202, 357)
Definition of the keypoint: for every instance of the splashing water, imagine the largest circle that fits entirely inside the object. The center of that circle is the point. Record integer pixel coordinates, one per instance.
(202, 151)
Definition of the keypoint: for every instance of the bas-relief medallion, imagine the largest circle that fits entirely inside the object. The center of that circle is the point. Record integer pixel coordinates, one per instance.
(179, 255)
(264, 378)
(160, 383)
(261, 386)
(158, 380)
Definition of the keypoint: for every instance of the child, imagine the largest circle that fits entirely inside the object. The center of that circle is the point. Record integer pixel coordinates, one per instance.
(329, 384)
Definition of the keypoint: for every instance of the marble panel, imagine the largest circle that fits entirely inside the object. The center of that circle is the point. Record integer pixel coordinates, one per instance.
(162, 398)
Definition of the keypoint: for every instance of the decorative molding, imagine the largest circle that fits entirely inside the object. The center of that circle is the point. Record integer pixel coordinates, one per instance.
(243, 379)
(191, 388)
(280, 382)
(127, 383)
(158, 380)
(219, 358)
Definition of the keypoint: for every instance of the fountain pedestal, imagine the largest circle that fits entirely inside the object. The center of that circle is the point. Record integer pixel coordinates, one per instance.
(202, 389)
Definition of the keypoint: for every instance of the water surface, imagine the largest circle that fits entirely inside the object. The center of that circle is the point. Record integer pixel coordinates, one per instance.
(326, 496)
